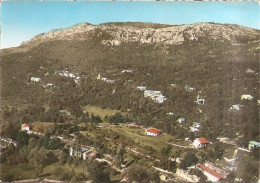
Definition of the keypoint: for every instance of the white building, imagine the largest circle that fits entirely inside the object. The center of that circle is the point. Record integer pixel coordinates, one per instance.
(35, 79)
(235, 107)
(200, 142)
(195, 127)
(152, 93)
(181, 120)
(152, 132)
(160, 99)
(189, 89)
(142, 88)
(127, 71)
(246, 97)
(213, 173)
(170, 113)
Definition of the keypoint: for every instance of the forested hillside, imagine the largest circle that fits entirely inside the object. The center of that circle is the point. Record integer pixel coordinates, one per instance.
(219, 69)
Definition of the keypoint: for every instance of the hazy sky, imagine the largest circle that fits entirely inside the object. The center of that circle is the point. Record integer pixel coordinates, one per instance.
(20, 21)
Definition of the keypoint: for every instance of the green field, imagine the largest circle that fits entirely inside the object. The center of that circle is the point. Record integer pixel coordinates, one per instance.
(99, 111)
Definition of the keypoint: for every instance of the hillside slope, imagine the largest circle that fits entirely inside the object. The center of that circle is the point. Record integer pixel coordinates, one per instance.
(221, 63)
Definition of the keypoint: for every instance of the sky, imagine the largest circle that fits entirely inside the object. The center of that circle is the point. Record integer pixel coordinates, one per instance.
(22, 20)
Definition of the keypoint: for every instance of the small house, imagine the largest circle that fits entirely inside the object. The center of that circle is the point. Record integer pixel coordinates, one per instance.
(195, 127)
(199, 100)
(25, 127)
(35, 79)
(160, 99)
(200, 142)
(189, 89)
(246, 97)
(152, 93)
(253, 144)
(235, 107)
(127, 71)
(181, 120)
(153, 132)
(142, 88)
(170, 113)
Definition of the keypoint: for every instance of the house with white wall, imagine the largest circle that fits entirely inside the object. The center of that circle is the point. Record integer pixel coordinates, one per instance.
(200, 142)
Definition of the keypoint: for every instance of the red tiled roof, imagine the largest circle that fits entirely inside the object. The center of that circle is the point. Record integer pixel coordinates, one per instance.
(203, 140)
(210, 171)
(26, 125)
(153, 130)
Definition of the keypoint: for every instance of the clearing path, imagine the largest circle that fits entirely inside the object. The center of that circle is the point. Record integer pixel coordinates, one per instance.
(176, 145)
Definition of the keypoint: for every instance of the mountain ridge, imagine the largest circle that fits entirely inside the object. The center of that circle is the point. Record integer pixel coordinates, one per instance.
(116, 33)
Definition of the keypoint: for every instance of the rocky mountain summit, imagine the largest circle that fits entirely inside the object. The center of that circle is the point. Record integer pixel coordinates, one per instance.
(116, 33)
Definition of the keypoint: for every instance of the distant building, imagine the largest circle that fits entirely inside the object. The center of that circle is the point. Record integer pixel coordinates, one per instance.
(195, 127)
(25, 127)
(246, 97)
(127, 71)
(235, 107)
(253, 144)
(200, 142)
(142, 88)
(170, 113)
(189, 89)
(160, 99)
(181, 120)
(155, 95)
(200, 101)
(153, 132)
(35, 79)
(152, 93)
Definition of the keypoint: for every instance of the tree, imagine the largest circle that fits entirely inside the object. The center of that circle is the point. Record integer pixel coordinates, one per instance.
(137, 173)
(38, 171)
(153, 175)
(7, 176)
(246, 171)
(189, 159)
(166, 150)
(100, 177)
(22, 138)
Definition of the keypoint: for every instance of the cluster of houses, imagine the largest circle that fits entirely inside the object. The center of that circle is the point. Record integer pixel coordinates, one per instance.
(68, 74)
(36, 79)
(105, 79)
(154, 95)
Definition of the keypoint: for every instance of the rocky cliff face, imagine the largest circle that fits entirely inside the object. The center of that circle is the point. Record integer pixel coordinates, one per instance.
(119, 33)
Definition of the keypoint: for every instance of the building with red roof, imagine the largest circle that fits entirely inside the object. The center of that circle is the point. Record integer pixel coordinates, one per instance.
(25, 127)
(152, 132)
(211, 175)
(200, 142)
